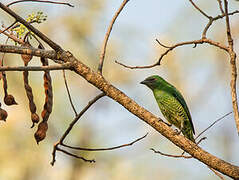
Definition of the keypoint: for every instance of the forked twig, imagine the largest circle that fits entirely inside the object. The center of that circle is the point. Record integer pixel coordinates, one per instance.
(75, 156)
(71, 125)
(170, 48)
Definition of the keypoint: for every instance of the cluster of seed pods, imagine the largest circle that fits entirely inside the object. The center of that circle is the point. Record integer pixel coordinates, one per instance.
(9, 100)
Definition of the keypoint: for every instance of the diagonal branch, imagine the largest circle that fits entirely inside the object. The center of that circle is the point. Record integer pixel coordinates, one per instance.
(71, 125)
(232, 55)
(68, 92)
(107, 35)
(201, 11)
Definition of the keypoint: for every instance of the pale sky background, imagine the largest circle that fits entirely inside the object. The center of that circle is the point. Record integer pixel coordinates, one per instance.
(144, 21)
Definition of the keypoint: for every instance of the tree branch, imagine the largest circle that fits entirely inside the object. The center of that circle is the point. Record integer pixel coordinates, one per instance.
(71, 125)
(232, 55)
(52, 2)
(170, 48)
(36, 68)
(107, 35)
(105, 149)
(68, 93)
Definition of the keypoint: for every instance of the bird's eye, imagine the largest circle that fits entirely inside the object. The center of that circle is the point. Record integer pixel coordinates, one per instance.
(152, 79)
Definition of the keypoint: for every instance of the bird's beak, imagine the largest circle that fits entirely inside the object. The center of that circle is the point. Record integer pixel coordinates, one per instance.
(143, 82)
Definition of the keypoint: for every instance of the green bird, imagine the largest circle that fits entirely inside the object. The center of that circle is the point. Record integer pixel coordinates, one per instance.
(172, 105)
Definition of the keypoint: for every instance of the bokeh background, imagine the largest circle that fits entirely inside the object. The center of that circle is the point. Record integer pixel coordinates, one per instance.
(202, 74)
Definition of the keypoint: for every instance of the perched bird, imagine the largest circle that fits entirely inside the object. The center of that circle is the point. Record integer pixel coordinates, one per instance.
(172, 104)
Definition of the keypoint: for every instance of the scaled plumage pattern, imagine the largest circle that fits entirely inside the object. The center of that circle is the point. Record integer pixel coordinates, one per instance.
(172, 104)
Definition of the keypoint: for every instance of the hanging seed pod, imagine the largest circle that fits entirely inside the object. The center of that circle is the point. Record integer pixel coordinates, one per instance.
(3, 114)
(47, 109)
(41, 131)
(8, 98)
(32, 106)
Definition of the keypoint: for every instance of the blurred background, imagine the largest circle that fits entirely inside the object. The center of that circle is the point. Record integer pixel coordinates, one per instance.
(202, 74)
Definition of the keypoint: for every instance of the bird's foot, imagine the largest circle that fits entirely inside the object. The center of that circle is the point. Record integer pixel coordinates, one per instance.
(177, 132)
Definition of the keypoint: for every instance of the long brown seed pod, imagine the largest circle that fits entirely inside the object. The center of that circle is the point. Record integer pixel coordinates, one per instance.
(47, 109)
(32, 106)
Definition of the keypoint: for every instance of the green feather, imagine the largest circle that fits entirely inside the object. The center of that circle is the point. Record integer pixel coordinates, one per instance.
(172, 104)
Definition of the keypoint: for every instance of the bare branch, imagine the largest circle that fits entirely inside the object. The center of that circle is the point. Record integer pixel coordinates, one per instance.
(212, 124)
(212, 19)
(8, 27)
(105, 149)
(201, 11)
(71, 125)
(137, 67)
(233, 68)
(170, 48)
(51, 54)
(36, 68)
(75, 156)
(220, 6)
(170, 155)
(107, 35)
(68, 92)
(52, 2)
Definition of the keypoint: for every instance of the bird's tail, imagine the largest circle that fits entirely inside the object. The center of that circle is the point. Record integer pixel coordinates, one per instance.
(188, 133)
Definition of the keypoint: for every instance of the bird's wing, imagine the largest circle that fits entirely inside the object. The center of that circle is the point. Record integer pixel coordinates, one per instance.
(181, 100)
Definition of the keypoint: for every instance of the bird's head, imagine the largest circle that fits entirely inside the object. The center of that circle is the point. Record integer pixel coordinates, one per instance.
(153, 82)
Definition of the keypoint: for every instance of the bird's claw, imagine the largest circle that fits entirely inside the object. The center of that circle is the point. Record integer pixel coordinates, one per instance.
(177, 132)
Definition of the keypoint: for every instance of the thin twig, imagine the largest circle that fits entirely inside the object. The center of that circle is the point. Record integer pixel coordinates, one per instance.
(161, 44)
(220, 6)
(170, 155)
(201, 11)
(107, 35)
(53, 2)
(68, 93)
(8, 27)
(233, 68)
(80, 114)
(71, 125)
(11, 36)
(212, 124)
(216, 173)
(75, 156)
(212, 19)
(36, 68)
(105, 149)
